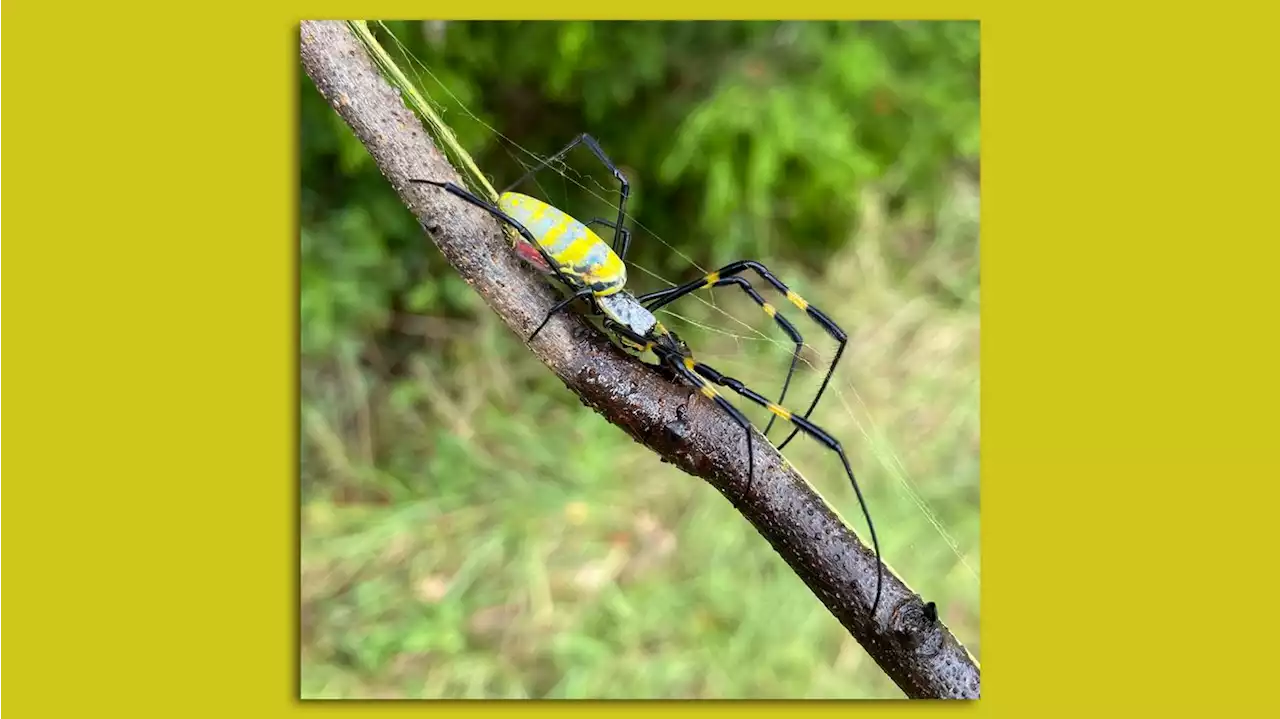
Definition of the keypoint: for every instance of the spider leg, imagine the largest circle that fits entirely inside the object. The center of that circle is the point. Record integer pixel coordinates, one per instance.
(524, 232)
(668, 296)
(661, 297)
(811, 429)
(621, 240)
(621, 234)
(584, 292)
(683, 367)
(680, 366)
(704, 376)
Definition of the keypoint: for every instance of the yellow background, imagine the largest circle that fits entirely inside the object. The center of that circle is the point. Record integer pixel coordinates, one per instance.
(1130, 391)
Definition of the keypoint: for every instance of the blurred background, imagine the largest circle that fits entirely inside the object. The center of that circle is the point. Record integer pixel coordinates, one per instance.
(469, 529)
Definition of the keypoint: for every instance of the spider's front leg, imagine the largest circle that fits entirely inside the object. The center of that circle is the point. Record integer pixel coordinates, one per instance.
(721, 276)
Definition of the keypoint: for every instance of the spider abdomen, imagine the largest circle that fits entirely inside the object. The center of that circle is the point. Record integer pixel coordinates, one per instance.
(578, 251)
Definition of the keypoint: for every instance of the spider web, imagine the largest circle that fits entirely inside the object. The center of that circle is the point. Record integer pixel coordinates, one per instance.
(879, 442)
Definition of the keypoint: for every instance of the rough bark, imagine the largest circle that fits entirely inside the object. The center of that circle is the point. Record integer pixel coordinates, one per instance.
(905, 638)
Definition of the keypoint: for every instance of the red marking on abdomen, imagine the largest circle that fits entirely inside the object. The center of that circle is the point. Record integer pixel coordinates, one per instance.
(530, 254)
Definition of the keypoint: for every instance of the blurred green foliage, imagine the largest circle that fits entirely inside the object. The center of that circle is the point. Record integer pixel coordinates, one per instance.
(740, 139)
(468, 529)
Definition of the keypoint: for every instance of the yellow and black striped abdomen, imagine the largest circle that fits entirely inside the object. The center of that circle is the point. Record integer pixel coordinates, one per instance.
(579, 252)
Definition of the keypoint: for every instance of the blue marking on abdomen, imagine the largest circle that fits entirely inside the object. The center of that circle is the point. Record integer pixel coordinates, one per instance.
(574, 231)
(595, 256)
(541, 226)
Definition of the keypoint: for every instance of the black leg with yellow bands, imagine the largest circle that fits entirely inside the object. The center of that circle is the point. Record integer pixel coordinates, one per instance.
(665, 297)
(703, 377)
(812, 430)
(684, 367)
(655, 300)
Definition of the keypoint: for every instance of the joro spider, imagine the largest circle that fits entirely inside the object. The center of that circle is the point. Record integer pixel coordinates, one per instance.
(559, 245)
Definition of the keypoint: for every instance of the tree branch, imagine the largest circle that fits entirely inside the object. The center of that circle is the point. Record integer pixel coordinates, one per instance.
(905, 639)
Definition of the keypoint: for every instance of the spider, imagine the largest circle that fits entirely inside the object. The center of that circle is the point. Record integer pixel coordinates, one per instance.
(559, 245)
